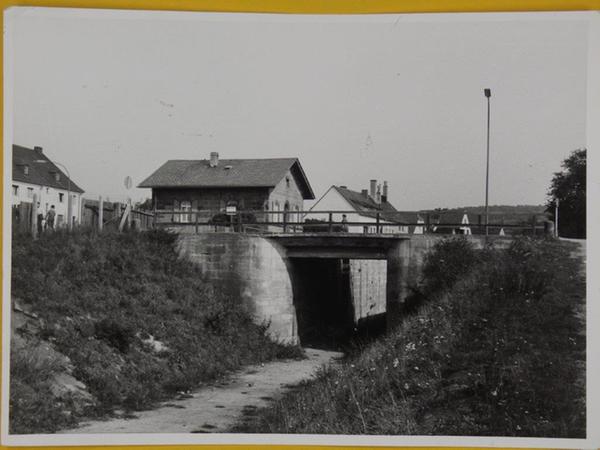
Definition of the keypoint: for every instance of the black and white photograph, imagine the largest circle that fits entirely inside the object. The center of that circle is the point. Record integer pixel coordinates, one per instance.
(300, 229)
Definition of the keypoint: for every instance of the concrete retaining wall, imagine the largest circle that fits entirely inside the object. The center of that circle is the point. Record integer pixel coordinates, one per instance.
(256, 270)
(252, 269)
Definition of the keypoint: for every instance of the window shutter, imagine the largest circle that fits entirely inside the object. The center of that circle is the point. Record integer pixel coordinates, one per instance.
(175, 207)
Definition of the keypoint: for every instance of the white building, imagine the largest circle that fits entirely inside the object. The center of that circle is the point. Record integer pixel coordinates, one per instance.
(34, 174)
(364, 207)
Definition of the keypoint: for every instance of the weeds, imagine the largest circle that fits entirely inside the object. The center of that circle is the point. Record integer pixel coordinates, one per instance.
(496, 351)
(100, 298)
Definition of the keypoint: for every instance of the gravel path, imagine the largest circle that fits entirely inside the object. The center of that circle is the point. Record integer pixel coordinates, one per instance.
(215, 408)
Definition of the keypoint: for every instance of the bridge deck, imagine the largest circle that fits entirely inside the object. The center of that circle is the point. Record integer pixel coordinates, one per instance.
(337, 245)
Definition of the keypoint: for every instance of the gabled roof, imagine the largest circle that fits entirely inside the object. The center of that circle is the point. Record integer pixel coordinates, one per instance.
(179, 173)
(41, 170)
(366, 206)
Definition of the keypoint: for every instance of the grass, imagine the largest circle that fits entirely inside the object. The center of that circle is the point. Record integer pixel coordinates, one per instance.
(102, 300)
(492, 350)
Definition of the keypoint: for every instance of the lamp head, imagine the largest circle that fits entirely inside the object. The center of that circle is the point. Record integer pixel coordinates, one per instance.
(487, 92)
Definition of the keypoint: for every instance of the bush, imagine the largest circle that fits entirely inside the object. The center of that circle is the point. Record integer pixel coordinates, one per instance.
(101, 296)
(34, 408)
(449, 260)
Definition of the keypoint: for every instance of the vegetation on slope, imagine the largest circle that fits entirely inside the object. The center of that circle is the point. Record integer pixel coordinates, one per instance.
(136, 322)
(496, 350)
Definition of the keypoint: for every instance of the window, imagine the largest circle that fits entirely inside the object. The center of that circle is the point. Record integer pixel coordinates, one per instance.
(29, 192)
(15, 189)
(61, 197)
(287, 181)
(185, 206)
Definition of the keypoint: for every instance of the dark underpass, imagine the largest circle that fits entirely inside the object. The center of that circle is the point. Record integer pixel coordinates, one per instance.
(324, 306)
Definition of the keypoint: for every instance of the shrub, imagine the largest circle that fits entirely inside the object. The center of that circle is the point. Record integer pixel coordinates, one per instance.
(448, 260)
(100, 296)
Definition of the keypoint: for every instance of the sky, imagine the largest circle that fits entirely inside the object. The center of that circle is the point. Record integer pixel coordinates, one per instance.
(396, 97)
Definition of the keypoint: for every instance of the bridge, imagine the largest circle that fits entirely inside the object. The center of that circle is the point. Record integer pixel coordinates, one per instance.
(297, 282)
(299, 270)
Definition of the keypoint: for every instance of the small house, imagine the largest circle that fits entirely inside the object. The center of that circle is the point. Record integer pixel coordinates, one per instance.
(35, 175)
(365, 206)
(215, 185)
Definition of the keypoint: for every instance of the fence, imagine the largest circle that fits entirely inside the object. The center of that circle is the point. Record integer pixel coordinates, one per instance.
(388, 222)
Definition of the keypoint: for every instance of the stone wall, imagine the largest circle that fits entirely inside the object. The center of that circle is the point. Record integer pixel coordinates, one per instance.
(252, 269)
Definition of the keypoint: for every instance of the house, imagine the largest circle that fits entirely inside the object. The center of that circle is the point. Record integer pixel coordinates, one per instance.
(215, 185)
(34, 174)
(451, 223)
(363, 206)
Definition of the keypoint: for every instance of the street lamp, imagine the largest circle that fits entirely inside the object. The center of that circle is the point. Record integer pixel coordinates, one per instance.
(488, 94)
(45, 161)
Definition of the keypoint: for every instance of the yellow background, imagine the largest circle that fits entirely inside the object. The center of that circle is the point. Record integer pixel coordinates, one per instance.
(306, 7)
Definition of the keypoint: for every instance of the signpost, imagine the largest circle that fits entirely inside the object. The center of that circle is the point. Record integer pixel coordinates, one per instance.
(128, 182)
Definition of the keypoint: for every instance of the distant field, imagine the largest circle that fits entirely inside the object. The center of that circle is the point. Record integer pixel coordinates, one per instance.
(495, 209)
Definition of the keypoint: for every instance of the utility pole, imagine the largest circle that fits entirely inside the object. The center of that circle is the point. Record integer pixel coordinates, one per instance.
(556, 202)
(488, 94)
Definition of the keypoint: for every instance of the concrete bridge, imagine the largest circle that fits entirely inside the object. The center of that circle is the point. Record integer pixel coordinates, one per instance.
(293, 282)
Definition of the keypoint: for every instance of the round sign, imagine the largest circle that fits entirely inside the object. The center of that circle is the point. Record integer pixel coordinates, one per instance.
(128, 182)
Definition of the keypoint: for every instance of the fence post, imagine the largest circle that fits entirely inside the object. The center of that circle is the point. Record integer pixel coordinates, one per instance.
(33, 215)
(100, 213)
(196, 226)
(284, 221)
(377, 227)
(330, 222)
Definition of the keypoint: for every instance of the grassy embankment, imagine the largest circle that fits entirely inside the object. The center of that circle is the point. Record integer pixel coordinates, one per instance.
(495, 350)
(104, 301)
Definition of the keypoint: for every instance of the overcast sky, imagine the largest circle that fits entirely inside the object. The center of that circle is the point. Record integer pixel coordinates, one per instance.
(396, 98)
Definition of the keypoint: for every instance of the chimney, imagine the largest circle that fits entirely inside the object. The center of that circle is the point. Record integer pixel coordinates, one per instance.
(214, 159)
(365, 193)
(373, 189)
(384, 195)
(38, 149)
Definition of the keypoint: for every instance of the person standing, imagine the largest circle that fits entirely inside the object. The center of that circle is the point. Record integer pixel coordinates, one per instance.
(344, 223)
(50, 218)
(40, 218)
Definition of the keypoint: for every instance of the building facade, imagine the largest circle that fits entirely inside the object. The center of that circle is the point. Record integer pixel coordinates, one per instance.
(201, 189)
(36, 176)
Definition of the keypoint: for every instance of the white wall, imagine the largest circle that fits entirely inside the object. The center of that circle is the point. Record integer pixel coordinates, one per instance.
(48, 196)
(333, 201)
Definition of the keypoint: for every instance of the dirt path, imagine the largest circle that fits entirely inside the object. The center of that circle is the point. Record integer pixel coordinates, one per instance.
(215, 408)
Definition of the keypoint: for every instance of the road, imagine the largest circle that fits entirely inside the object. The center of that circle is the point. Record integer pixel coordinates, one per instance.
(215, 408)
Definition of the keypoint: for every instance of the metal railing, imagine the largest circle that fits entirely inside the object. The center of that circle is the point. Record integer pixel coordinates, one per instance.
(367, 222)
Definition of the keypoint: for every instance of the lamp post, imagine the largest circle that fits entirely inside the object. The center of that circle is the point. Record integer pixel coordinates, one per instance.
(556, 202)
(488, 94)
(45, 161)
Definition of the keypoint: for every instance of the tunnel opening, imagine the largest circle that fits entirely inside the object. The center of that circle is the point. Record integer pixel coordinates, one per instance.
(328, 314)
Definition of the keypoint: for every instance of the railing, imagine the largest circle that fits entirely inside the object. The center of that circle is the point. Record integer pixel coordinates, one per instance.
(392, 222)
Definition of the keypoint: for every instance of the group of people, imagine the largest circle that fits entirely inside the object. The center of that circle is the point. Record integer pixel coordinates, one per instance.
(45, 222)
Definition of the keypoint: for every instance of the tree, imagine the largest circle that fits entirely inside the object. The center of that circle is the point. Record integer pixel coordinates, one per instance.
(568, 186)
